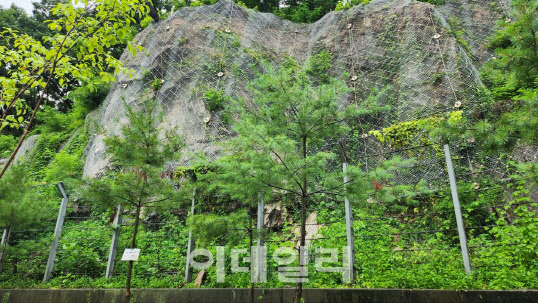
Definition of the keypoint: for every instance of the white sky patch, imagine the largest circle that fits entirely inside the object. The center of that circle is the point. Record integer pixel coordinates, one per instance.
(25, 4)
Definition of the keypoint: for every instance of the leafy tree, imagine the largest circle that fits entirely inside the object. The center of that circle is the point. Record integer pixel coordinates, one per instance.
(139, 155)
(306, 11)
(36, 27)
(90, 95)
(280, 138)
(262, 5)
(43, 10)
(16, 18)
(78, 48)
(7, 143)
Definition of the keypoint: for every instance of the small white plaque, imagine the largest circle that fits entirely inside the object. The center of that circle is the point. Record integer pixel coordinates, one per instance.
(130, 254)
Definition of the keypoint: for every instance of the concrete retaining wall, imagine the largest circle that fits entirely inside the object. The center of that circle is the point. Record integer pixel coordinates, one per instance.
(268, 295)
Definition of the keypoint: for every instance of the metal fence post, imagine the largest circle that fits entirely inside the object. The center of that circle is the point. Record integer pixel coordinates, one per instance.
(260, 268)
(114, 243)
(57, 233)
(3, 244)
(457, 210)
(190, 245)
(349, 229)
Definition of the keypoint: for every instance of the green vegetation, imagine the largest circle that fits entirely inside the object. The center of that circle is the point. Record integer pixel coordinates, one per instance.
(77, 49)
(272, 150)
(215, 100)
(139, 155)
(341, 5)
(516, 64)
(288, 147)
(458, 32)
(17, 209)
(509, 116)
(319, 67)
(301, 11)
(89, 96)
(7, 144)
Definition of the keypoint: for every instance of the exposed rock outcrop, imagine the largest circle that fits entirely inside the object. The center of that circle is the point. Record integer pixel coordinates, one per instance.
(26, 148)
(404, 46)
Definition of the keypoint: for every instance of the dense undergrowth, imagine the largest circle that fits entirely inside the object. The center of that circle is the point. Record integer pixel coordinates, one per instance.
(412, 261)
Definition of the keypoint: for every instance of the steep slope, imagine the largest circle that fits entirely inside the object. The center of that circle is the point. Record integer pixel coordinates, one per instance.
(404, 47)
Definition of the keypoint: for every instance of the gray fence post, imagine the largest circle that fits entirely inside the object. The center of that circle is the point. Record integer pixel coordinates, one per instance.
(349, 229)
(190, 245)
(3, 244)
(457, 210)
(260, 268)
(114, 243)
(57, 233)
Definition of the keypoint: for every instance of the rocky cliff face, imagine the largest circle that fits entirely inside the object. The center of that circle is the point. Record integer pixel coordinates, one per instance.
(424, 57)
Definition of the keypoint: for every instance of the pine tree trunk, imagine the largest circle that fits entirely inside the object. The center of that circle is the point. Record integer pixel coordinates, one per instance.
(302, 241)
(133, 245)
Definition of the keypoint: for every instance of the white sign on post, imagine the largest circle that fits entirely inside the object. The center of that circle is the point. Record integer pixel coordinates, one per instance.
(130, 254)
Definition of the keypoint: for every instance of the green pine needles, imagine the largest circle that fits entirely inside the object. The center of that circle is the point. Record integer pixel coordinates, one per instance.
(280, 139)
(139, 155)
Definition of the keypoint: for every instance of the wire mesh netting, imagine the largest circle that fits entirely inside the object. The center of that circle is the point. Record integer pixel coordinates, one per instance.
(403, 59)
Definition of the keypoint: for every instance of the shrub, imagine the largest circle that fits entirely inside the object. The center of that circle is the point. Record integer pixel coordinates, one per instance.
(215, 100)
(7, 145)
(319, 66)
(90, 95)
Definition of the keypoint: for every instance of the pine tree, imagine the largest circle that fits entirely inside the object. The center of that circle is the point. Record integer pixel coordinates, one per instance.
(512, 77)
(516, 51)
(17, 210)
(280, 139)
(139, 156)
(218, 180)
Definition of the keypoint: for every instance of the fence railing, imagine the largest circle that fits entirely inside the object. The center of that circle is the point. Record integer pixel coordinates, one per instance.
(172, 253)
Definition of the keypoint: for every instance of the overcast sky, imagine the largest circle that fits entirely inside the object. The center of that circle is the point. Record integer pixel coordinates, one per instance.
(26, 4)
